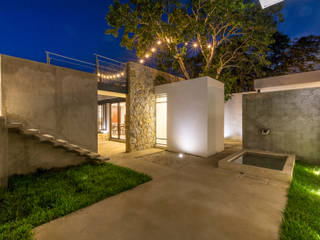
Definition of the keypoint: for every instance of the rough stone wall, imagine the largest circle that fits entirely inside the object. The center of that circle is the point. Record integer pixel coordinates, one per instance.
(3, 153)
(293, 118)
(56, 100)
(140, 117)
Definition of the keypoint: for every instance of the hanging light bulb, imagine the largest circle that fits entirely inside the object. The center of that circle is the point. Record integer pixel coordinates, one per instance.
(118, 75)
(153, 49)
(141, 61)
(147, 55)
(209, 46)
(195, 45)
(159, 42)
(122, 74)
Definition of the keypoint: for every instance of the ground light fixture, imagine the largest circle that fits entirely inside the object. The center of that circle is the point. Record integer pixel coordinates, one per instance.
(269, 3)
(180, 155)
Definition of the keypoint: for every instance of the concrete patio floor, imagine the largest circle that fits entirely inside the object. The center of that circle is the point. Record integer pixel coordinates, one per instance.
(188, 198)
(110, 148)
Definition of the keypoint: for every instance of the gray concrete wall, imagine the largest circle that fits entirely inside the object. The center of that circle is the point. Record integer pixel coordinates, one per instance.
(140, 116)
(26, 154)
(3, 153)
(56, 100)
(288, 82)
(293, 118)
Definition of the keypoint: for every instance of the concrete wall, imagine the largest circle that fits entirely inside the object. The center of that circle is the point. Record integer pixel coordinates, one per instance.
(140, 107)
(3, 153)
(194, 116)
(293, 118)
(56, 100)
(26, 154)
(288, 82)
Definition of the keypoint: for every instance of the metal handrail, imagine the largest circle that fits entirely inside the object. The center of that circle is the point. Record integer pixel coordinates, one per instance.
(73, 59)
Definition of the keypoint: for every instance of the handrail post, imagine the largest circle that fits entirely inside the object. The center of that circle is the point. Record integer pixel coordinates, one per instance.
(48, 57)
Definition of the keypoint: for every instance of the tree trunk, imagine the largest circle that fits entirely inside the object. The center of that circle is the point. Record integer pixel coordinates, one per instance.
(183, 68)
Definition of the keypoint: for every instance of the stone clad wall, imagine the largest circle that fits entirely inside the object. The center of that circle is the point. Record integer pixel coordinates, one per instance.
(292, 116)
(141, 121)
(3, 153)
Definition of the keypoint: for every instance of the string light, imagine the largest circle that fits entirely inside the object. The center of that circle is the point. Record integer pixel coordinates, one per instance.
(168, 40)
(112, 76)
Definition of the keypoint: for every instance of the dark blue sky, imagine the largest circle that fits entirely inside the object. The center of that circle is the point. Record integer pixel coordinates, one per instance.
(75, 28)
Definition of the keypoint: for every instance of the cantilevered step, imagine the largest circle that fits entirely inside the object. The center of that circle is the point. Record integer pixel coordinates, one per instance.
(103, 159)
(82, 151)
(92, 155)
(59, 142)
(71, 147)
(30, 132)
(45, 137)
(15, 125)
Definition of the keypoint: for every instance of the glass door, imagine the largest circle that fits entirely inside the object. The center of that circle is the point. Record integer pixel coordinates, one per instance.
(122, 120)
(118, 117)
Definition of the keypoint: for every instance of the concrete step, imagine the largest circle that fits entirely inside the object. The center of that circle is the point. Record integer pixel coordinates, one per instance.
(15, 125)
(74, 146)
(82, 151)
(45, 137)
(30, 132)
(92, 155)
(103, 159)
(59, 142)
(71, 147)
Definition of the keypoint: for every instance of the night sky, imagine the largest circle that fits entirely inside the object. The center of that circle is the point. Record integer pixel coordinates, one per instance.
(76, 28)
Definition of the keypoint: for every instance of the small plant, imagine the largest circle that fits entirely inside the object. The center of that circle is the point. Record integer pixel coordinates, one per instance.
(159, 80)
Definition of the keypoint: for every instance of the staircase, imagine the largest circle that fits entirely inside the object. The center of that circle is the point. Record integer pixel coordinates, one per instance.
(46, 138)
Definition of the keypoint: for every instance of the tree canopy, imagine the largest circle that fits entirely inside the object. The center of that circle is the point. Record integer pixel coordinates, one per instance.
(292, 56)
(199, 37)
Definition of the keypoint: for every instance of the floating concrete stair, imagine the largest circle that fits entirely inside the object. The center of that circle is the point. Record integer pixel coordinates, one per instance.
(14, 125)
(59, 142)
(47, 138)
(30, 132)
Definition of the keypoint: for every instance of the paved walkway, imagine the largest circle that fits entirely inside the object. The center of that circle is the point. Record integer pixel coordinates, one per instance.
(188, 198)
(110, 148)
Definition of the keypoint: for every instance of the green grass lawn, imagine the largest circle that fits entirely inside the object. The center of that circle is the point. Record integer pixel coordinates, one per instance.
(38, 198)
(301, 218)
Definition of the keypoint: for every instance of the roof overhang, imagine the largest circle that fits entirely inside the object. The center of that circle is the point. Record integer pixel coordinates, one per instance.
(268, 3)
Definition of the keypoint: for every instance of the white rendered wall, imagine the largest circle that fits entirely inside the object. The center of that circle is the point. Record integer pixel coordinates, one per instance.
(195, 116)
(233, 118)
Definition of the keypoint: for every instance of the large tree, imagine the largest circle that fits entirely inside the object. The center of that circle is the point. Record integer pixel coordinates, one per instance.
(223, 34)
(291, 56)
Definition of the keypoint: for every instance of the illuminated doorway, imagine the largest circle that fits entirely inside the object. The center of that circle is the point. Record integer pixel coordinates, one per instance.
(161, 120)
(118, 117)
